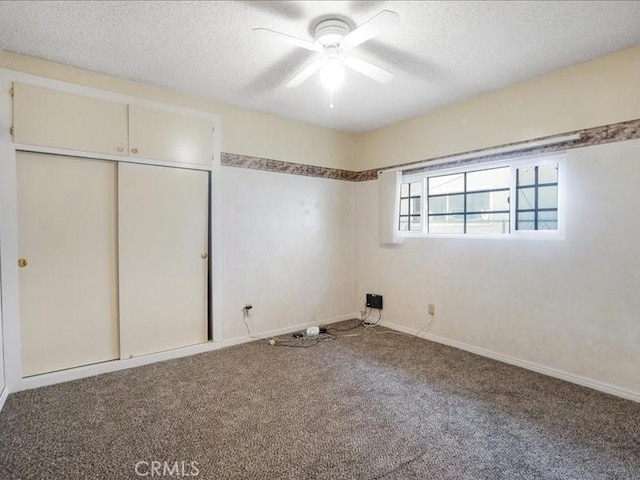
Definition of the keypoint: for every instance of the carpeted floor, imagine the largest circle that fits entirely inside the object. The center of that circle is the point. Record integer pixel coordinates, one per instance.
(366, 407)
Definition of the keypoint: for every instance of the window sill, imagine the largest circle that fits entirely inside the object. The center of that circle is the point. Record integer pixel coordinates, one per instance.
(529, 235)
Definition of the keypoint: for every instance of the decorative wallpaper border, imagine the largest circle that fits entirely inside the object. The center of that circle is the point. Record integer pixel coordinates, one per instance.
(270, 165)
(616, 132)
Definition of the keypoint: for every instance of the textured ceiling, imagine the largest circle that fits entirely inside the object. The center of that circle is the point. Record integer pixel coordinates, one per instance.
(440, 52)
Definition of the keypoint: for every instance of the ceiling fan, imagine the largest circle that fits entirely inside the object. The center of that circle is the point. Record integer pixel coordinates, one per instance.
(333, 39)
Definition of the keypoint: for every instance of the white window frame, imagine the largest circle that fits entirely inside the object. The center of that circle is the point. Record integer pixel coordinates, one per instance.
(514, 163)
(414, 178)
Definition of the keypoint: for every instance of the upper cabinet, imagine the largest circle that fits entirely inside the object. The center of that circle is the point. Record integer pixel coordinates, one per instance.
(53, 118)
(167, 136)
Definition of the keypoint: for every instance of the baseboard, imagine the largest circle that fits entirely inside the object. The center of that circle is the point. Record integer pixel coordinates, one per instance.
(551, 372)
(3, 397)
(115, 365)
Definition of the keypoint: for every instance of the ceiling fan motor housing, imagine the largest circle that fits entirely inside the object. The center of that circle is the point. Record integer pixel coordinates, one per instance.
(331, 32)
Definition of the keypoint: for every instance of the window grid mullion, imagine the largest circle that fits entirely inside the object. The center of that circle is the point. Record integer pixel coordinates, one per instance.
(465, 203)
(517, 194)
(535, 199)
(515, 209)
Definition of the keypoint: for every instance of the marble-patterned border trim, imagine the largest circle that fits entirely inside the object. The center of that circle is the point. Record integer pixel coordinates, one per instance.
(269, 165)
(616, 132)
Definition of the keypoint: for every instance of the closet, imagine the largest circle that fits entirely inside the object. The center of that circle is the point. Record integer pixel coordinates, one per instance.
(163, 251)
(67, 229)
(113, 254)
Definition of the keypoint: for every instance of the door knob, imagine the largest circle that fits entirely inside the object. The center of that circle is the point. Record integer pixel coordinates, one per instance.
(204, 255)
(22, 262)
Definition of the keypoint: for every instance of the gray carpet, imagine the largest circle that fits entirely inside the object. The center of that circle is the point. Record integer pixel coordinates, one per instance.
(366, 407)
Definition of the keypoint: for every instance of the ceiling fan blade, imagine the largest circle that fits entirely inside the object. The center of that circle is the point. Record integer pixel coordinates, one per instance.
(372, 27)
(370, 70)
(299, 42)
(304, 74)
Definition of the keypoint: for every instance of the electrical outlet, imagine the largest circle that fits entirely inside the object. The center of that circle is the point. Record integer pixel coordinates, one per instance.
(432, 309)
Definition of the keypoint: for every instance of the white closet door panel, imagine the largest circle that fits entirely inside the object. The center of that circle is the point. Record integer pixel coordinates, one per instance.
(42, 116)
(170, 137)
(68, 289)
(163, 235)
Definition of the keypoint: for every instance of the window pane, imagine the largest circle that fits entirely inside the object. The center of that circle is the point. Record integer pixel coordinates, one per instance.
(526, 198)
(438, 205)
(478, 202)
(500, 200)
(404, 190)
(488, 223)
(548, 173)
(526, 216)
(488, 179)
(446, 224)
(404, 206)
(526, 225)
(446, 184)
(447, 204)
(404, 224)
(526, 176)
(548, 220)
(416, 188)
(548, 197)
(547, 225)
(415, 224)
(415, 205)
(487, 201)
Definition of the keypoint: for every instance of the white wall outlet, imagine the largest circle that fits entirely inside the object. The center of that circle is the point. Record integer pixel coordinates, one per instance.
(431, 310)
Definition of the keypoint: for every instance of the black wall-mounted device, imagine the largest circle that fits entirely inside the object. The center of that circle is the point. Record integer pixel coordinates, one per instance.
(374, 301)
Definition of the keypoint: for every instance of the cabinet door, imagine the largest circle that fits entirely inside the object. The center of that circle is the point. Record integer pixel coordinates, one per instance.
(68, 288)
(170, 137)
(46, 117)
(163, 265)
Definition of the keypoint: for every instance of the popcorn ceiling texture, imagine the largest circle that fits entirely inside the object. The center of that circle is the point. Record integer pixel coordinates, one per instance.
(373, 406)
(441, 52)
(593, 136)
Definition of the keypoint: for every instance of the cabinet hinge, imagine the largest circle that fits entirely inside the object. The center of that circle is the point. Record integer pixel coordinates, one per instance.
(11, 92)
(213, 129)
(11, 130)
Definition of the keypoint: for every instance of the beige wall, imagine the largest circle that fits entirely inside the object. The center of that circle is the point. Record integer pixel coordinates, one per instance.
(571, 304)
(590, 94)
(244, 131)
(289, 249)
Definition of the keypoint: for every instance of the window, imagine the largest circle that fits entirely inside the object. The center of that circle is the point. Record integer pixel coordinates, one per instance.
(537, 199)
(480, 201)
(411, 207)
(469, 202)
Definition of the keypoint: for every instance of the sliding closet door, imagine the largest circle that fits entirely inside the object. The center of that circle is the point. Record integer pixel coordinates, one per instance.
(163, 249)
(67, 244)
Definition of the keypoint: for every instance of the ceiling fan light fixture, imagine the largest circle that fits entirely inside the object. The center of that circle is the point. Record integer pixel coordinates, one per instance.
(332, 73)
(333, 39)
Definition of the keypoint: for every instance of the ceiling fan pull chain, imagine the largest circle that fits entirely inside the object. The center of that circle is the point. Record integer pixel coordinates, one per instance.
(331, 98)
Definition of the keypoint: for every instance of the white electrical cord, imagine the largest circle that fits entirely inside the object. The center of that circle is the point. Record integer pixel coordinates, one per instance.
(322, 337)
(245, 319)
